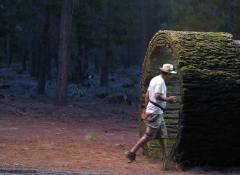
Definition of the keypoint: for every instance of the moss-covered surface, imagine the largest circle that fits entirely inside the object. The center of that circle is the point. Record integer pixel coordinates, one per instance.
(209, 77)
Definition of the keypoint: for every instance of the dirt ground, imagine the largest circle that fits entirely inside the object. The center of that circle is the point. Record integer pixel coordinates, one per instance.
(81, 137)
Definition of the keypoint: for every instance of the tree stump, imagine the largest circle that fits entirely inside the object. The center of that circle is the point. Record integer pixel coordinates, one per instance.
(204, 124)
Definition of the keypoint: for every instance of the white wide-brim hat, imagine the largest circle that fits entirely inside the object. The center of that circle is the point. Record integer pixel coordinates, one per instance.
(168, 68)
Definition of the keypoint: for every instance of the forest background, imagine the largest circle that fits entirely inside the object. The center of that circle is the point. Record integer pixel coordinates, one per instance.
(101, 50)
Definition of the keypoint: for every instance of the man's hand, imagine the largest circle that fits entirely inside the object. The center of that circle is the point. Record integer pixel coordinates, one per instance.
(143, 114)
(172, 99)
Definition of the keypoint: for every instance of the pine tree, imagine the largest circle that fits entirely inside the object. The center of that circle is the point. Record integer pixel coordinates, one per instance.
(63, 54)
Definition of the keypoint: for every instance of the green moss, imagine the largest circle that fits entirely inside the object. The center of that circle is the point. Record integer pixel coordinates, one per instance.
(200, 45)
(188, 68)
(208, 72)
(217, 44)
(171, 142)
(215, 62)
(221, 73)
(91, 136)
(153, 149)
(217, 34)
(205, 43)
(238, 82)
(237, 62)
(174, 38)
(198, 37)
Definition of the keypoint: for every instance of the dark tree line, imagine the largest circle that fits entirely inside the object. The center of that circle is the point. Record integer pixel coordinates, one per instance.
(72, 37)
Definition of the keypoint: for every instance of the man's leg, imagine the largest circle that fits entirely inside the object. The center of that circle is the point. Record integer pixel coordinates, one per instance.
(131, 155)
(144, 139)
(163, 144)
(150, 132)
(162, 135)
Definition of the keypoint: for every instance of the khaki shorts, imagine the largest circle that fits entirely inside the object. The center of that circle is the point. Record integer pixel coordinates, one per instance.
(156, 127)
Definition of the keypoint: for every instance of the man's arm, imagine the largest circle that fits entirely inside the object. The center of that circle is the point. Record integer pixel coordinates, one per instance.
(146, 100)
(170, 99)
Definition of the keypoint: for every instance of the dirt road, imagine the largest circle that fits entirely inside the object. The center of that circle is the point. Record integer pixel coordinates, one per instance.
(84, 138)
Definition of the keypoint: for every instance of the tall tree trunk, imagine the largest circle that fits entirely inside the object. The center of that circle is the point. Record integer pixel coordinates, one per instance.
(85, 61)
(24, 59)
(104, 73)
(36, 43)
(79, 68)
(44, 55)
(82, 66)
(127, 58)
(35, 58)
(144, 27)
(96, 65)
(65, 31)
(52, 45)
(8, 49)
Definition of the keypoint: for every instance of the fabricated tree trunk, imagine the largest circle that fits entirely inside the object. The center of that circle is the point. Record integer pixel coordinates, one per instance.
(207, 129)
(63, 54)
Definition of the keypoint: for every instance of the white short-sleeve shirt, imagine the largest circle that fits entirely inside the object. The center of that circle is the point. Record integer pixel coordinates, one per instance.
(156, 85)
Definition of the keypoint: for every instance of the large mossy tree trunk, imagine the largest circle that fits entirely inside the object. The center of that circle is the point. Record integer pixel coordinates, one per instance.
(209, 79)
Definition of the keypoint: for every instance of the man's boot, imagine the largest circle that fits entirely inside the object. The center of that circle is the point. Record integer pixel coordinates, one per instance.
(131, 156)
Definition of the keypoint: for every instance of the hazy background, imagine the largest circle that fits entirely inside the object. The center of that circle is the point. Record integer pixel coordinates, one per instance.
(108, 40)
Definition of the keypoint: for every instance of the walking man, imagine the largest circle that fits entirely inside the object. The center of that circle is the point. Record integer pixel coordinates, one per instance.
(155, 103)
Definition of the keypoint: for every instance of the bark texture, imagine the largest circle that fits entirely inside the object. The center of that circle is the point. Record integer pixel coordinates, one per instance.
(209, 81)
(63, 54)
